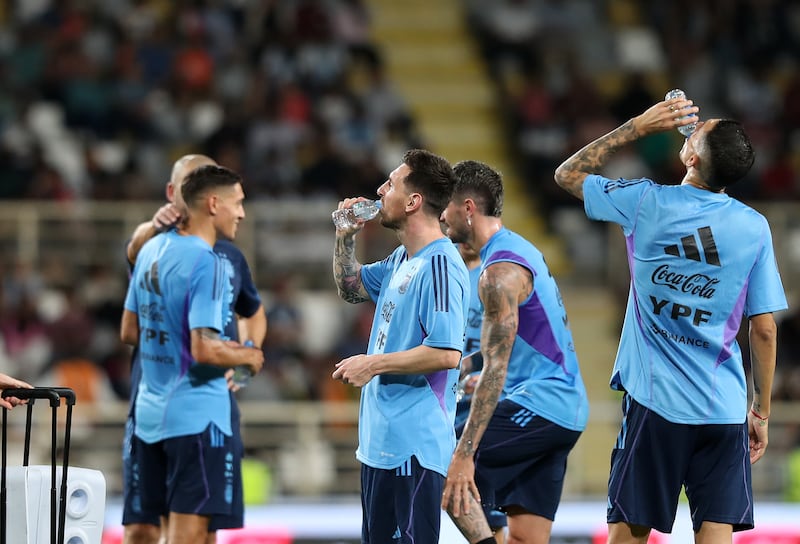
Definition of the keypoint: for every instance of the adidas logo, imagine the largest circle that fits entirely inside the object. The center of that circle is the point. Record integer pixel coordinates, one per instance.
(396, 535)
(522, 417)
(692, 252)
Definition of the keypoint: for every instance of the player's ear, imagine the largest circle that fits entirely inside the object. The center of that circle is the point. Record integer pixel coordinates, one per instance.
(170, 192)
(414, 201)
(212, 203)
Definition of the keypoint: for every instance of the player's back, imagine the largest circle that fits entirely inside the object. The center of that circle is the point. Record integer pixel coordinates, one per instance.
(543, 372)
(691, 253)
(180, 285)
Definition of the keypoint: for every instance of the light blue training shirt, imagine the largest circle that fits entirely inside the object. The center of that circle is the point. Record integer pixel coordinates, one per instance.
(543, 373)
(420, 300)
(699, 261)
(178, 284)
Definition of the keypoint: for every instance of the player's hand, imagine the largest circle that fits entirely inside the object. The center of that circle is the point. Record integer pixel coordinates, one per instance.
(257, 360)
(7, 382)
(355, 370)
(166, 217)
(666, 115)
(459, 487)
(345, 204)
(229, 380)
(758, 429)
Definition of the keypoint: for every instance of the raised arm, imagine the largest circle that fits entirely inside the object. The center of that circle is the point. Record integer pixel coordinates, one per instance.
(763, 353)
(166, 216)
(347, 270)
(589, 160)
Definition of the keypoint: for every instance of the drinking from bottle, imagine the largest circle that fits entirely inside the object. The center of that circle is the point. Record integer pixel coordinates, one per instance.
(686, 130)
(363, 210)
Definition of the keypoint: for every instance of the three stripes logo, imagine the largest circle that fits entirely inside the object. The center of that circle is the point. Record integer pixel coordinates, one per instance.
(149, 282)
(441, 283)
(405, 469)
(522, 417)
(692, 252)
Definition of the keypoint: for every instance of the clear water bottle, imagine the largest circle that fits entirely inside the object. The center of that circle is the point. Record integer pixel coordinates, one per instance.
(466, 387)
(241, 374)
(686, 130)
(363, 210)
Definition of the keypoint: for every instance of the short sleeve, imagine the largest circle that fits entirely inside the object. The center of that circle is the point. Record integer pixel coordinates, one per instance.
(765, 289)
(372, 274)
(248, 301)
(206, 292)
(614, 200)
(441, 311)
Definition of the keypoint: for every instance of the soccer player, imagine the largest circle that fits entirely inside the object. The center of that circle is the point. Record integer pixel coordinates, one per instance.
(142, 527)
(471, 366)
(408, 375)
(512, 454)
(699, 260)
(175, 311)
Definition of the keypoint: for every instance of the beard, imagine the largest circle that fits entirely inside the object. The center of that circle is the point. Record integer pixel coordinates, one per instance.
(457, 236)
(388, 222)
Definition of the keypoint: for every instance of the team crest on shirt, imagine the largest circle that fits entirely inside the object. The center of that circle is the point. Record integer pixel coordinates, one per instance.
(406, 281)
(404, 286)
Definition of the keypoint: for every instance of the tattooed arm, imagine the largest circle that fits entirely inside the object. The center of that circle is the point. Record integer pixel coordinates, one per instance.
(347, 270)
(502, 287)
(593, 157)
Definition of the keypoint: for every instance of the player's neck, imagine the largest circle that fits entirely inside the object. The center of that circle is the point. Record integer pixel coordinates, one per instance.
(691, 178)
(205, 232)
(415, 235)
(484, 228)
(701, 186)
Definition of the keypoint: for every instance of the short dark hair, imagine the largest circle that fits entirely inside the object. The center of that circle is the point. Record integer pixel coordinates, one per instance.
(730, 154)
(200, 180)
(483, 184)
(432, 177)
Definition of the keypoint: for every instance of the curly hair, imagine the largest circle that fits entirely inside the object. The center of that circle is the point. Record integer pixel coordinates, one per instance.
(481, 183)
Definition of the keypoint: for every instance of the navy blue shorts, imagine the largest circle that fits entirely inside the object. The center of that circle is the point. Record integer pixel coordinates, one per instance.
(495, 518)
(133, 511)
(654, 457)
(521, 461)
(402, 505)
(190, 474)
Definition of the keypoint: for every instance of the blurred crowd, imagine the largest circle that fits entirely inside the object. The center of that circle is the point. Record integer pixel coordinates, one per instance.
(571, 71)
(568, 72)
(101, 96)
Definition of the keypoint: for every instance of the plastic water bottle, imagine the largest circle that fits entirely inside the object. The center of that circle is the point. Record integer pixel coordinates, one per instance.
(466, 387)
(241, 374)
(363, 210)
(686, 130)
